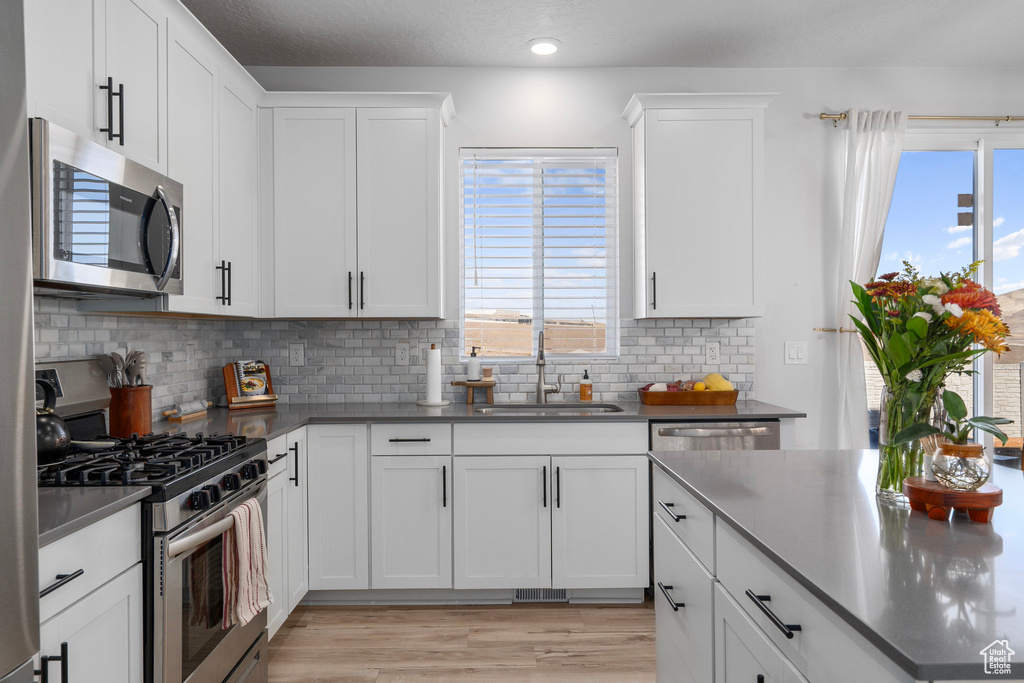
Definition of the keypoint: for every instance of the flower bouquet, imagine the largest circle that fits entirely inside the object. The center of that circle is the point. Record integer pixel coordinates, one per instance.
(918, 331)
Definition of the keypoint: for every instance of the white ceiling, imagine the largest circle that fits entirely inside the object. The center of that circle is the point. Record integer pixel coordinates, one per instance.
(695, 33)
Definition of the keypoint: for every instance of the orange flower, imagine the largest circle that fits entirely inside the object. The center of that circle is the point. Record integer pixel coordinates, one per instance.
(972, 295)
(894, 290)
(987, 329)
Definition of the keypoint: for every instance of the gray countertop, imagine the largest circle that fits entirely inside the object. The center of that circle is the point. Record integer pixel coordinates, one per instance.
(928, 594)
(65, 510)
(276, 421)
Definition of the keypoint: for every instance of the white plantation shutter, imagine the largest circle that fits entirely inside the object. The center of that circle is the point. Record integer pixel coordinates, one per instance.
(539, 249)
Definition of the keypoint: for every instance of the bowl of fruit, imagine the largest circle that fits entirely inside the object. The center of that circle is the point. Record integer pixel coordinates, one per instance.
(713, 390)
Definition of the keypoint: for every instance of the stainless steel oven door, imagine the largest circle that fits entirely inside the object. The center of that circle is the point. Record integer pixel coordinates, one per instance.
(189, 643)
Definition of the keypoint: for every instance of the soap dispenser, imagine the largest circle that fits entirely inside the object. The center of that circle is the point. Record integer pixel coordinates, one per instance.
(473, 372)
(586, 388)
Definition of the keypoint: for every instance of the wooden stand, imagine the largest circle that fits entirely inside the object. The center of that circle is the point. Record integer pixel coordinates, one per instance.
(471, 385)
(938, 501)
(237, 401)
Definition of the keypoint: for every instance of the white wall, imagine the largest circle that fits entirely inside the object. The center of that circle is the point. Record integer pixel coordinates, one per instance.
(582, 107)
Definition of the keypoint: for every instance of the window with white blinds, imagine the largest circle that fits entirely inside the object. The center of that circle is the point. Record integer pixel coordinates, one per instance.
(539, 249)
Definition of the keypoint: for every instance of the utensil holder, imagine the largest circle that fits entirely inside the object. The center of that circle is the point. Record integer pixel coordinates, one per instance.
(131, 411)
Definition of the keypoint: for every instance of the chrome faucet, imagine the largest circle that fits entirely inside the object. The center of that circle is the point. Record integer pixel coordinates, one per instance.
(543, 389)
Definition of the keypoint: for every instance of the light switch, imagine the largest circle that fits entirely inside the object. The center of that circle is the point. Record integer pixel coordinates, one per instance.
(796, 353)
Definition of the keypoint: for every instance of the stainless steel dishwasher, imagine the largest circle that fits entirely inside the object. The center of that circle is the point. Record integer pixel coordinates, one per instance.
(715, 436)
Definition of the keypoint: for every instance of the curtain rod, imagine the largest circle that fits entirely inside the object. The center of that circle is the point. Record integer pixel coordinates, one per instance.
(998, 119)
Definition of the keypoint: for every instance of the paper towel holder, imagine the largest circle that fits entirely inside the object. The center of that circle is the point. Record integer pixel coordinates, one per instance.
(432, 404)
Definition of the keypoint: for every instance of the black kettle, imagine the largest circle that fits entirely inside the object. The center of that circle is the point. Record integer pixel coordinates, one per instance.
(53, 440)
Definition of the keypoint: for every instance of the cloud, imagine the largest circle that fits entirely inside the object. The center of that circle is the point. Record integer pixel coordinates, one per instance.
(954, 229)
(1008, 287)
(1008, 247)
(997, 223)
(961, 242)
(894, 256)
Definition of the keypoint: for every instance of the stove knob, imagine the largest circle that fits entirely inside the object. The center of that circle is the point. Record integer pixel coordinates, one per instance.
(250, 471)
(232, 482)
(261, 465)
(199, 500)
(214, 490)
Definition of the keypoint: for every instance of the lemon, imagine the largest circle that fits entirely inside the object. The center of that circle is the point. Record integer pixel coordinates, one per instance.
(699, 386)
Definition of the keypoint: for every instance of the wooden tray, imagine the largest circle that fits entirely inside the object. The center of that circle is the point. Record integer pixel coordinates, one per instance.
(938, 502)
(688, 398)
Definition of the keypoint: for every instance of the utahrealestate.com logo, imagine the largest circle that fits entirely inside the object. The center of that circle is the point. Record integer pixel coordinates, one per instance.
(997, 657)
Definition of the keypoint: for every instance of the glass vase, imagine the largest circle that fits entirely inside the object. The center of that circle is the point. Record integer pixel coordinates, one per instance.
(961, 467)
(897, 410)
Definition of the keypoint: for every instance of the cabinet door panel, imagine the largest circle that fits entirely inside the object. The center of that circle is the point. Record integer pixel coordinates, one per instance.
(411, 521)
(277, 568)
(239, 240)
(296, 492)
(135, 53)
(192, 161)
(599, 522)
(502, 532)
(63, 61)
(742, 651)
(315, 212)
(103, 632)
(399, 213)
(338, 515)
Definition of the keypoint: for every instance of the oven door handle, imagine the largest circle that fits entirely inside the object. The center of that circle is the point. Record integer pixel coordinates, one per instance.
(172, 253)
(715, 431)
(183, 545)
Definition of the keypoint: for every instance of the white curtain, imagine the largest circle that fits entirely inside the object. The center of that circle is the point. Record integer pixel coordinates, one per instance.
(874, 141)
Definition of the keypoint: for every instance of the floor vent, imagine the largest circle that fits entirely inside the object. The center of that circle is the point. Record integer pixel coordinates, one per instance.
(540, 595)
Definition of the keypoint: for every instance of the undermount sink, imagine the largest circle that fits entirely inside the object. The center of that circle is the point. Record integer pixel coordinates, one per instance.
(549, 409)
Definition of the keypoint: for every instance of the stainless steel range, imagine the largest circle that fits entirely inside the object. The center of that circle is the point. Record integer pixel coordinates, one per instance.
(197, 480)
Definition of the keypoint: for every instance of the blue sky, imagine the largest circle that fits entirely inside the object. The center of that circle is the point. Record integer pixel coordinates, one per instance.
(922, 224)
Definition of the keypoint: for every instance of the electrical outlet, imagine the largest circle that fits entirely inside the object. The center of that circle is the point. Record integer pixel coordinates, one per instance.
(402, 353)
(190, 355)
(712, 353)
(296, 354)
(796, 353)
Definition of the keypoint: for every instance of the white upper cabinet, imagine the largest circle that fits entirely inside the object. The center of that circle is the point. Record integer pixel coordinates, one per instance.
(315, 212)
(357, 204)
(74, 48)
(698, 196)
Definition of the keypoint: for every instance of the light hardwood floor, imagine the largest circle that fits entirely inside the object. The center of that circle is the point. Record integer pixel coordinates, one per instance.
(540, 643)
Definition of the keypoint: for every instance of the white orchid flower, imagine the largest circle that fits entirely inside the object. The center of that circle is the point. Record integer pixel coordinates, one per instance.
(927, 316)
(915, 376)
(955, 310)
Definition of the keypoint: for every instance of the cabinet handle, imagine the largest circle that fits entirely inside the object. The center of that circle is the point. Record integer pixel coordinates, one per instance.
(654, 291)
(109, 130)
(759, 600)
(223, 298)
(44, 665)
(229, 283)
(558, 487)
(362, 289)
(120, 106)
(295, 449)
(665, 506)
(668, 596)
(62, 580)
(544, 482)
(760, 678)
(279, 456)
(419, 440)
(444, 486)
(350, 290)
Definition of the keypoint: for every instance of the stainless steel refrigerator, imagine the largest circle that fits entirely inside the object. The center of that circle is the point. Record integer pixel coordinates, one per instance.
(19, 537)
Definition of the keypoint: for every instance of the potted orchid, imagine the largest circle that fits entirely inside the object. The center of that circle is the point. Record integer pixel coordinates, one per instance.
(918, 331)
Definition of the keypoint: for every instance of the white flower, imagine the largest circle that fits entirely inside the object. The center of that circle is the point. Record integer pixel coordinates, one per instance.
(915, 375)
(935, 302)
(927, 316)
(935, 285)
(955, 310)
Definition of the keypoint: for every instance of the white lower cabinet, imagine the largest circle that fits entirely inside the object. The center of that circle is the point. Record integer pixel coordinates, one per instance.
(411, 521)
(502, 522)
(100, 635)
(277, 567)
(338, 507)
(743, 653)
(287, 524)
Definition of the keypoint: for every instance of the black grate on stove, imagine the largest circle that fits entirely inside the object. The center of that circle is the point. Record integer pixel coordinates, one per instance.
(156, 459)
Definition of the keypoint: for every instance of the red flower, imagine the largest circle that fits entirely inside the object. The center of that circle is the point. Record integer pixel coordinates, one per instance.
(972, 295)
(888, 277)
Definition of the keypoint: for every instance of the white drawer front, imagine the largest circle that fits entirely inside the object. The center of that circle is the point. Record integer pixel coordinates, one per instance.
(411, 438)
(825, 648)
(277, 454)
(101, 550)
(551, 438)
(696, 529)
(679, 576)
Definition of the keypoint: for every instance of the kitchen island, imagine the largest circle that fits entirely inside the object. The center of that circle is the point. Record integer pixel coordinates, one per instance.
(925, 596)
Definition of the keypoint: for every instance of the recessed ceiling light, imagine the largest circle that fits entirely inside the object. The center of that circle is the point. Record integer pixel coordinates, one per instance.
(544, 46)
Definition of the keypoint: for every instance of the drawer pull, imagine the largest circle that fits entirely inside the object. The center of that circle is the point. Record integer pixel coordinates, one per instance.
(44, 665)
(62, 580)
(422, 440)
(280, 456)
(668, 596)
(759, 600)
(760, 678)
(666, 507)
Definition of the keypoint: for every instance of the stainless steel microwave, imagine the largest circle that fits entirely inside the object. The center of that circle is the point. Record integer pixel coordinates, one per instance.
(100, 222)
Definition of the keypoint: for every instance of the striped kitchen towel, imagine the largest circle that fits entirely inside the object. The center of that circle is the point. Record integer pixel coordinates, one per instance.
(244, 566)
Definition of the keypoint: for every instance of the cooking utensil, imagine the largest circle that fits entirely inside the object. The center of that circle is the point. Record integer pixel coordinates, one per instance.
(141, 365)
(118, 369)
(53, 440)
